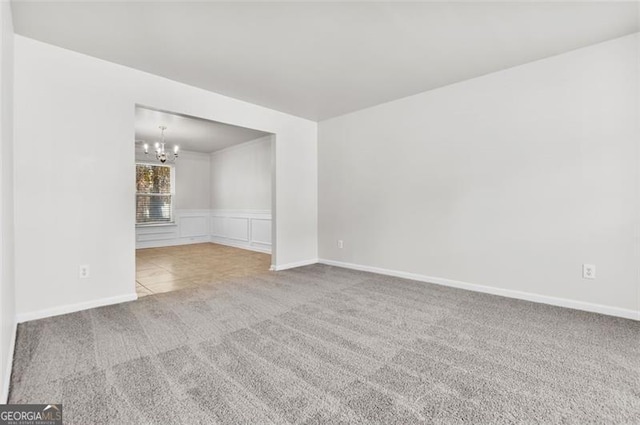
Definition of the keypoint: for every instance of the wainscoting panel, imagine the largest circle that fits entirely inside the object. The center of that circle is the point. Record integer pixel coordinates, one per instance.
(237, 228)
(190, 226)
(194, 225)
(154, 235)
(248, 229)
(261, 231)
(217, 226)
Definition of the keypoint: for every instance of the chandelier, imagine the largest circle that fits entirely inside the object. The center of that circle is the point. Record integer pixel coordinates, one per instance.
(161, 154)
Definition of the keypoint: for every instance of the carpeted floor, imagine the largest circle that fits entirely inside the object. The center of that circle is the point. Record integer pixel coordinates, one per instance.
(321, 344)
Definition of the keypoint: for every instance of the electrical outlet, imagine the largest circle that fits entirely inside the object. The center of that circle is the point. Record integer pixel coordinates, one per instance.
(340, 244)
(588, 271)
(84, 271)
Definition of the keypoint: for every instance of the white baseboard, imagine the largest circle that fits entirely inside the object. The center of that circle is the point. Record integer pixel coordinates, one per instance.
(4, 397)
(172, 242)
(293, 265)
(71, 308)
(509, 293)
(243, 245)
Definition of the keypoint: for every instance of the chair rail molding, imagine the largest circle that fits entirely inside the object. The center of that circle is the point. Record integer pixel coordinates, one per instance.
(247, 229)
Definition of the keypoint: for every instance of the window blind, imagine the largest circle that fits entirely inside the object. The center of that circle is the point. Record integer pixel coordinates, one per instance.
(153, 194)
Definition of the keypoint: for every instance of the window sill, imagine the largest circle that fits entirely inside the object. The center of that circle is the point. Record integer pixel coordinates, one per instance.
(169, 224)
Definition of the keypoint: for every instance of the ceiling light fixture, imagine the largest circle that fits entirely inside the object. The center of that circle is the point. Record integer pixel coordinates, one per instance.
(161, 154)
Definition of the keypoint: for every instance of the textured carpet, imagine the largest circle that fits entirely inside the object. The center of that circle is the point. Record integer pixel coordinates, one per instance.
(321, 344)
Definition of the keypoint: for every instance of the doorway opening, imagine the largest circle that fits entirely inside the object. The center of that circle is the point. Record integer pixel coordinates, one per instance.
(204, 201)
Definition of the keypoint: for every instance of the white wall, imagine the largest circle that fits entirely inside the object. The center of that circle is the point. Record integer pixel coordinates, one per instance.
(192, 181)
(241, 176)
(7, 283)
(241, 180)
(512, 180)
(75, 206)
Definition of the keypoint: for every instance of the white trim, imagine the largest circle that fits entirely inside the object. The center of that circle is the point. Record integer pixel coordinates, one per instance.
(167, 224)
(254, 240)
(155, 236)
(160, 243)
(241, 245)
(5, 385)
(258, 214)
(71, 308)
(192, 212)
(509, 293)
(219, 229)
(293, 265)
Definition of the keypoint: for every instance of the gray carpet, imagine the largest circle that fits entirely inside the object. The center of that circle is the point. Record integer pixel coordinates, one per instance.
(321, 344)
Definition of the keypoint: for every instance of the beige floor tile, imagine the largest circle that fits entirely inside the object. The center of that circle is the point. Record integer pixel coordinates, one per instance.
(156, 271)
(174, 285)
(177, 267)
(142, 291)
(165, 276)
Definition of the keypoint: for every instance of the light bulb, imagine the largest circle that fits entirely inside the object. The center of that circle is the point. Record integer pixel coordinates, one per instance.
(175, 149)
(146, 148)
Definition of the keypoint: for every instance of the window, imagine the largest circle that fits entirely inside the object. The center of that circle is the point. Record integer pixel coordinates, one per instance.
(154, 194)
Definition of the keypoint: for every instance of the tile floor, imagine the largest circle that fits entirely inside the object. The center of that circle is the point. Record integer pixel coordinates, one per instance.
(177, 267)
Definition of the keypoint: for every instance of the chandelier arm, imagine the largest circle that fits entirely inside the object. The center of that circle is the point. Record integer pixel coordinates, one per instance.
(160, 149)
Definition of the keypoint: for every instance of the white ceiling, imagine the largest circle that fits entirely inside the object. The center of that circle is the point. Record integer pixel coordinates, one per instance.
(191, 134)
(319, 60)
